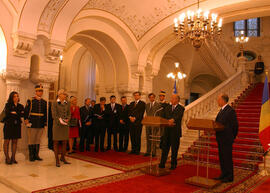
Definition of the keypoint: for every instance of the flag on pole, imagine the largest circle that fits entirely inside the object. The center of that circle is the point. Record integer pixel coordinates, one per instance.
(174, 88)
(264, 128)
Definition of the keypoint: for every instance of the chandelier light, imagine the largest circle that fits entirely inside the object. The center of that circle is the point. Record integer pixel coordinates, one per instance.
(197, 26)
(177, 74)
(241, 40)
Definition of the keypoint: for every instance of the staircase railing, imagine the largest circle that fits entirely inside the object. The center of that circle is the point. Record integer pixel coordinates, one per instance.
(221, 48)
(207, 102)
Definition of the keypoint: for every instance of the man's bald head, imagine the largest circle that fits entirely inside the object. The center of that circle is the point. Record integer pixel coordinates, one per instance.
(175, 98)
(223, 99)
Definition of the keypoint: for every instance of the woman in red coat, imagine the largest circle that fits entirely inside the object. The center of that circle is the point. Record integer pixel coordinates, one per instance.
(75, 122)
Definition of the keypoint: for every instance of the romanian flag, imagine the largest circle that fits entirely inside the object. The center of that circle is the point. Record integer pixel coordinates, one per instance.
(264, 128)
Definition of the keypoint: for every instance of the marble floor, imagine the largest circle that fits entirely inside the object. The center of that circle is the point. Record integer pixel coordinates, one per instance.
(26, 176)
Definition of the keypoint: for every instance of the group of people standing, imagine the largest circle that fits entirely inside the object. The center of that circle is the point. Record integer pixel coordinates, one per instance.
(90, 123)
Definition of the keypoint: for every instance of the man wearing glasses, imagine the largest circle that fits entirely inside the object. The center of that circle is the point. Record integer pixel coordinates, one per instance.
(35, 119)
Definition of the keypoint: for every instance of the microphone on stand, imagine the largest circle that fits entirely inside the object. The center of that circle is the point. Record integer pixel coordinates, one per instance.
(158, 111)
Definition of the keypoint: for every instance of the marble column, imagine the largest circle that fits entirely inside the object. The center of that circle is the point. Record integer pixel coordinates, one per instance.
(44, 138)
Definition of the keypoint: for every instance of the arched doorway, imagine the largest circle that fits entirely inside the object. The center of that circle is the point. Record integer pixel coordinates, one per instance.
(3, 52)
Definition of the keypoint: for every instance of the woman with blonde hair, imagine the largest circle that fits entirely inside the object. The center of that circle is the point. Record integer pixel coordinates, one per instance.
(75, 122)
(61, 117)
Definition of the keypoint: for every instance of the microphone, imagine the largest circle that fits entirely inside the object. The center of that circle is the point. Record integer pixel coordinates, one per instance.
(158, 111)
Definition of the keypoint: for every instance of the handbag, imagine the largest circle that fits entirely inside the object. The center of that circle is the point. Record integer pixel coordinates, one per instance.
(73, 122)
(3, 116)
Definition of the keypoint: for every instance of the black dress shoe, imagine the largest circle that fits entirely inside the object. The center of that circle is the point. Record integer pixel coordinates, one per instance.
(219, 178)
(226, 180)
(161, 166)
(64, 161)
(132, 152)
(8, 162)
(137, 153)
(13, 161)
(57, 164)
(108, 148)
(146, 154)
(173, 167)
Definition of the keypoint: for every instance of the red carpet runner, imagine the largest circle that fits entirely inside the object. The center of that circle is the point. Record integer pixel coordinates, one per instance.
(247, 150)
(117, 160)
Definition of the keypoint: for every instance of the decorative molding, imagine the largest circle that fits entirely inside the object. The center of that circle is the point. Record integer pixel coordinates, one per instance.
(53, 52)
(47, 78)
(49, 15)
(22, 44)
(15, 75)
(139, 24)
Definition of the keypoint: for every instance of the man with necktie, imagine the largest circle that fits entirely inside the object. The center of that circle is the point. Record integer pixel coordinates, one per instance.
(225, 138)
(87, 131)
(171, 137)
(112, 111)
(124, 125)
(153, 108)
(136, 112)
(100, 124)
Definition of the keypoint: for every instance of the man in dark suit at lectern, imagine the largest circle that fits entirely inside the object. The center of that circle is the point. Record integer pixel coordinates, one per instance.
(225, 138)
(171, 137)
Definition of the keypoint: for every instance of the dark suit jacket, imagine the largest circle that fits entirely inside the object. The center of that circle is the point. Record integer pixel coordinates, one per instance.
(227, 117)
(137, 111)
(177, 115)
(123, 115)
(86, 114)
(154, 110)
(99, 123)
(112, 115)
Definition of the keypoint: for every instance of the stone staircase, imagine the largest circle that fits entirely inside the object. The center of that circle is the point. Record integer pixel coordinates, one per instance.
(247, 149)
(206, 107)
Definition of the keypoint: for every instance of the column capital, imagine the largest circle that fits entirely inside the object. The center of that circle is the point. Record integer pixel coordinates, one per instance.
(22, 44)
(15, 75)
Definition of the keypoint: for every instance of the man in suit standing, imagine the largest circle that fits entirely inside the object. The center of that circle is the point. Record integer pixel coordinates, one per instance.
(87, 130)
(100, 124)
(225, 138)
(112, 111)
(153, 108)
(171, 138)
(124, 125)
(136, 113)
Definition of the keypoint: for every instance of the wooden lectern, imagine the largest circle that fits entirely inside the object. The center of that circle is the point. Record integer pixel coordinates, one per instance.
(207, 126)
(155, 123)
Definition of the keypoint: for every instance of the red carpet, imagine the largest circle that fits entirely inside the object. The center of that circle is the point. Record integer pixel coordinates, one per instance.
(247, 149)
(118, 160)
(263, 186)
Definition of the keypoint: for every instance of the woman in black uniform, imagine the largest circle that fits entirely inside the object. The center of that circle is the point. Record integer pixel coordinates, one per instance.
(12, 128)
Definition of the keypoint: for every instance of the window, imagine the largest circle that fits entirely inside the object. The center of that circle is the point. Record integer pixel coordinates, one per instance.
(251, 27)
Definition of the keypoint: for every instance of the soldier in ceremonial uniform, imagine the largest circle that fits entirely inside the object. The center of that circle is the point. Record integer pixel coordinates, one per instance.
(163, 104)
(35, 119)
(162, 100)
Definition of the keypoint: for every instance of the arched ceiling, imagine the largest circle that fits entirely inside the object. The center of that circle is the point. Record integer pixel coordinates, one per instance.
(48, 16)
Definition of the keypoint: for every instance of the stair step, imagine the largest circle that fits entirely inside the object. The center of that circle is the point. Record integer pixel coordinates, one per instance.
(248, 129)
(237, 147)
(252, 165)
(248, 119)
(236, 154)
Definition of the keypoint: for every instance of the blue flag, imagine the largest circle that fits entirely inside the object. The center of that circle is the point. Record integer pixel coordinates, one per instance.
(174, 88)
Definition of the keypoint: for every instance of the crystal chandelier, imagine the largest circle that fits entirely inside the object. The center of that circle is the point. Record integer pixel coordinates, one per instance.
(241, 40)
(177, 74)
(197, 26)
